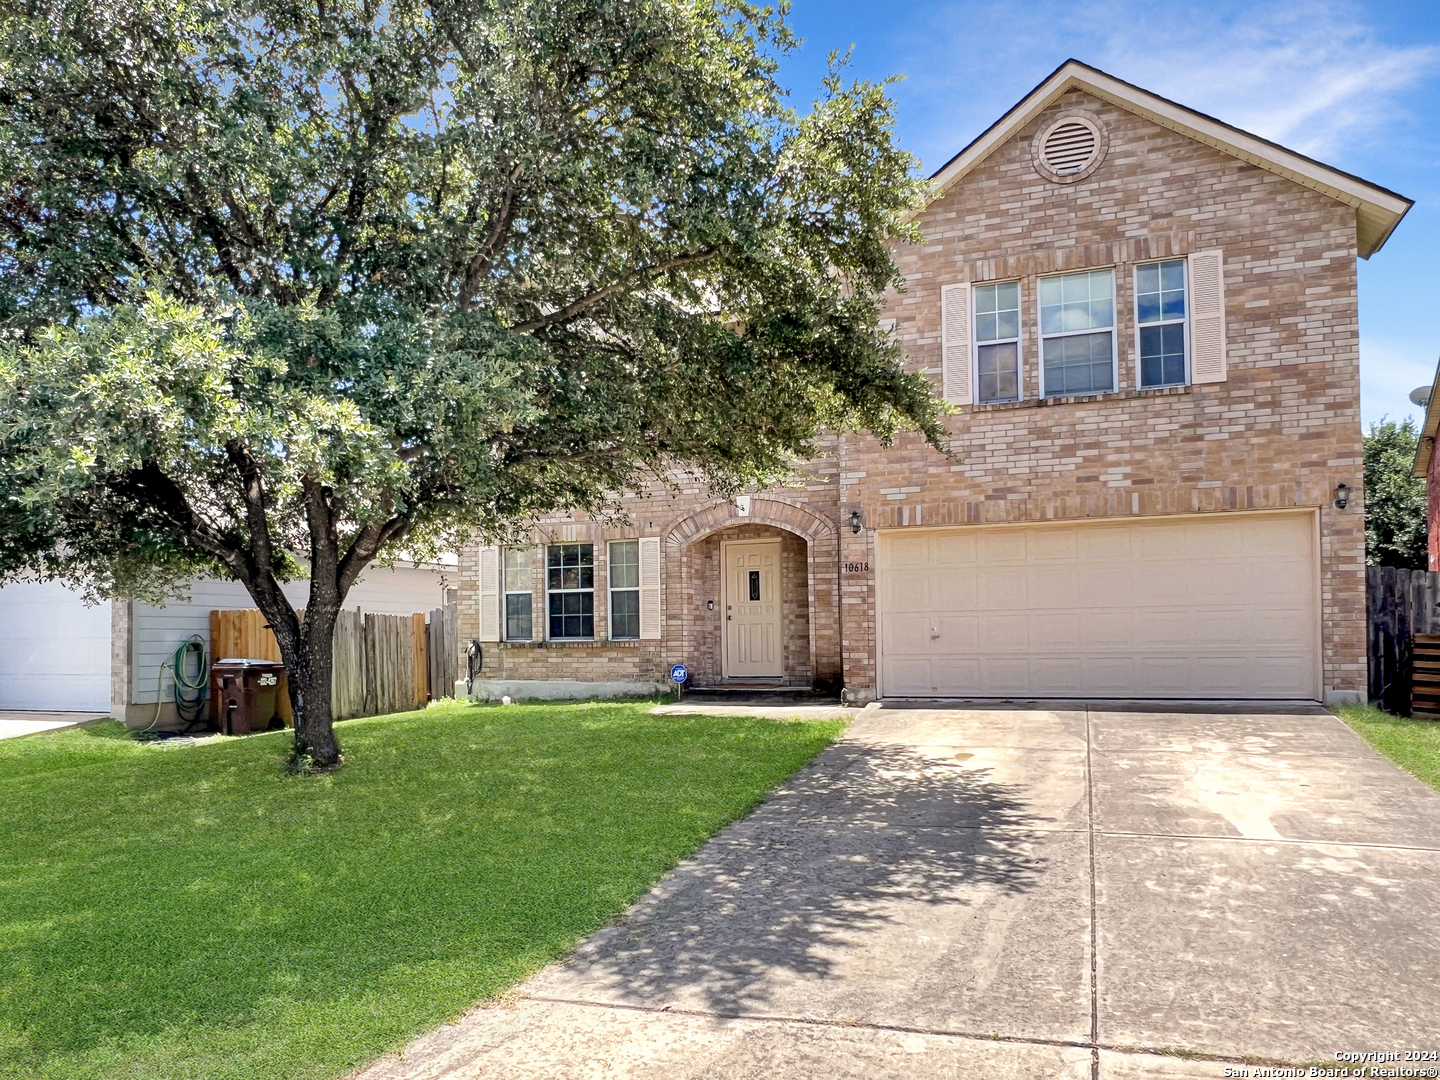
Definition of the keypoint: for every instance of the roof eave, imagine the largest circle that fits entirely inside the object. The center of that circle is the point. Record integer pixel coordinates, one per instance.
(1378, 210)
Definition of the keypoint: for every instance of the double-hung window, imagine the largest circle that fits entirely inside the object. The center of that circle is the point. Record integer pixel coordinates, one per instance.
(570, 585)
(1077, 333)
(1160, 316)
(517, 594)
(624, 574)
(997, 342)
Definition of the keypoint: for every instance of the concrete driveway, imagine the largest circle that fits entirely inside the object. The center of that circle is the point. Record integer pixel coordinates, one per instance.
(1078, 891)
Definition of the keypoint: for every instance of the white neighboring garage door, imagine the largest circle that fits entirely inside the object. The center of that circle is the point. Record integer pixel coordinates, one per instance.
(54, 651)
(1222, 606)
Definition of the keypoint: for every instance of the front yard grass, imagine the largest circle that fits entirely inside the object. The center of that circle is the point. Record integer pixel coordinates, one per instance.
(1414, 745)
(194, 911)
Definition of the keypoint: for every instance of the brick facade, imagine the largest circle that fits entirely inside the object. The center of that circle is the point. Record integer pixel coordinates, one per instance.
(1280, 431)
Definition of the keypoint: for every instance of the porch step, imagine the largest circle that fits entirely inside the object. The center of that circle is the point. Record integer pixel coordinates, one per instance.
(732, 692)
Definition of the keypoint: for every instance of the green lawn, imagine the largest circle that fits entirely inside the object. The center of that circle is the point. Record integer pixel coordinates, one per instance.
(195, 911)
(1412, 744)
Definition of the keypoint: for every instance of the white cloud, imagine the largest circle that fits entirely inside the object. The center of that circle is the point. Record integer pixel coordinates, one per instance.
(1313, 77)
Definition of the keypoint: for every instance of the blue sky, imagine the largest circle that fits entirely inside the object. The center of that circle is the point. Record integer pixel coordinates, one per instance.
(1355, 85)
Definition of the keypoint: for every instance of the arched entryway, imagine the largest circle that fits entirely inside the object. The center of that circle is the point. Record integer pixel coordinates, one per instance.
(716, 559)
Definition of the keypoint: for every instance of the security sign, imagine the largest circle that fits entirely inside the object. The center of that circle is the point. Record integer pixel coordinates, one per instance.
(678, 674)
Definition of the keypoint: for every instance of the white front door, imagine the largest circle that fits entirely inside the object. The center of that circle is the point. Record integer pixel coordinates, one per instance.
(752, 608)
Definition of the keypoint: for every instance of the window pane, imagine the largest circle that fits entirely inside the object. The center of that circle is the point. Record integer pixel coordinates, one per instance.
(517, 617)
(517, 569)
(625, 614)
(1162, 355)
(997, 311)
(1077, 302)
(1078, 365)
(999, 376)
(1160, 291)
(625, 565)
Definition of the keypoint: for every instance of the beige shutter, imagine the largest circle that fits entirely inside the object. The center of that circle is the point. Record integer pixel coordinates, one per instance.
(650, 587)
(1207, 316)
(955, 342)
(489, 594)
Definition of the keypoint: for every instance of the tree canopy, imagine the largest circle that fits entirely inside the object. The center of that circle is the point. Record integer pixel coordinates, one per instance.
(321, 278)
(1395, 503)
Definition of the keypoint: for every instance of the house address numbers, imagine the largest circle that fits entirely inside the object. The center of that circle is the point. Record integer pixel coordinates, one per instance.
(857, 568)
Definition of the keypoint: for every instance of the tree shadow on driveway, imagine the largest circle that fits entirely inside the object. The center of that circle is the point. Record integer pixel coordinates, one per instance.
(882, 883)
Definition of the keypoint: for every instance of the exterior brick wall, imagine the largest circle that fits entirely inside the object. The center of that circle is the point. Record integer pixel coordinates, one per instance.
(1281, 431)
(1432, 509)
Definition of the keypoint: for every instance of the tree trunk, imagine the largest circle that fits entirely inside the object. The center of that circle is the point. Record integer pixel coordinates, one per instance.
(307, 648)
(312, 695)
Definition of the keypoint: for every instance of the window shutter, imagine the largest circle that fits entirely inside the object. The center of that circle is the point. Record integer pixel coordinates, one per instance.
(489, 594)
(955, 343)
(649, 587)
(1207, 316)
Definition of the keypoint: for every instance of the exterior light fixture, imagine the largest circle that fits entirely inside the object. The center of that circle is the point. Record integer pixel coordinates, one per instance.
(1342, 496)
(856, 524)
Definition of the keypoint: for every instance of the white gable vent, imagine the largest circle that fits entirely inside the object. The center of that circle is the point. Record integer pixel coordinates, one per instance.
(1069, 148)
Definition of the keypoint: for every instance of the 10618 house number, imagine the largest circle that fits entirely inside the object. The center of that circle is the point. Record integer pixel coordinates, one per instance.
(857, 568)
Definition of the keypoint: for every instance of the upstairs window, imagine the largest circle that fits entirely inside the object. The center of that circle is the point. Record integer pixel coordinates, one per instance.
(624, 574)
(1160, 314)
(997, 342)
(570, 583)
(1077, 333)
(517, 594)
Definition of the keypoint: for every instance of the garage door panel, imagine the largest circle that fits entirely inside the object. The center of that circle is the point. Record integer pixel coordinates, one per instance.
(955, 588)
(909, 590)
(1058, 632)
(909, 551)
(1055, 586)
(1004, 676)
(912, 677)
(1047, 545)
(1104, 587)
(1004, 588)
(907, 634)
(1224, 606)
(953, 549)
(955, 677)
(958, 633)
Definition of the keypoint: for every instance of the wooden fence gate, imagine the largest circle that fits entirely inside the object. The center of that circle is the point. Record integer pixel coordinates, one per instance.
(1398, 604)
(383, 663)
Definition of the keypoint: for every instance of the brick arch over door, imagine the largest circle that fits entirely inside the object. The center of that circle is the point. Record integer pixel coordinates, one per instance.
(822, 565)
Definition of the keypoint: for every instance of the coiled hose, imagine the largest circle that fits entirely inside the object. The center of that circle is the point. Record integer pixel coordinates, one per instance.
(190, 690)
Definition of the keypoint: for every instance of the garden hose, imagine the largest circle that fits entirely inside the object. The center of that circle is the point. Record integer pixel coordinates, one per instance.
(190, 691)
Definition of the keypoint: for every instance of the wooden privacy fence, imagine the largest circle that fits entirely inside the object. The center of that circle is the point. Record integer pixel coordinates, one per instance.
(1398, 604)
(383, 663)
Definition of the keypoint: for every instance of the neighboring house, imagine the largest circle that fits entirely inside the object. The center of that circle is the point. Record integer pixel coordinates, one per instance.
(1148, 321)
(1427, 467)
(58, 654)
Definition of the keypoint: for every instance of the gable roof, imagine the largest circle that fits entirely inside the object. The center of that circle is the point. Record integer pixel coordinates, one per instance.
(1429, 425)
(1377, 209)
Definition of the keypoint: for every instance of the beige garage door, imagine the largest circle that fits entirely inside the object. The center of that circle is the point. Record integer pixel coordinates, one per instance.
(1199, 607)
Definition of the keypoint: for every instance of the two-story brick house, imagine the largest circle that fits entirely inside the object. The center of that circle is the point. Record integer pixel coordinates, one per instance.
(1148, 322)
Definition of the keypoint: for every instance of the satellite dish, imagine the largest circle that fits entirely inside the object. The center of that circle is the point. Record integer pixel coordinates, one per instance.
(1421, 396)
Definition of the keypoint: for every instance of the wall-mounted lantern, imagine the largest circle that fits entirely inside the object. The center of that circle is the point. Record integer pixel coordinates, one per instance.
(1342, 496)
(856, 523)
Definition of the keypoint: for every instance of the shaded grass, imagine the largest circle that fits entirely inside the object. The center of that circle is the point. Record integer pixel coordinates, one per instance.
(1414, 745)
(195, 911)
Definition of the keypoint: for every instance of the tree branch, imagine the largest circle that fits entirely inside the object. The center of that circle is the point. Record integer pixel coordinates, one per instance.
(570, 310)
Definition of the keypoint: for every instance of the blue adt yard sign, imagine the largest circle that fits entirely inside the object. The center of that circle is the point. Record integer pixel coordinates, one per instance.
(678, 674)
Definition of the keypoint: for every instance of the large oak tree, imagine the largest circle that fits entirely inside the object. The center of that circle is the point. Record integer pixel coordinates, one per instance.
(321, 279)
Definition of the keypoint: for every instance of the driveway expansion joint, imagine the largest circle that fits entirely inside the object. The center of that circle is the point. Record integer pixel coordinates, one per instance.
(903, 1029)
(1121, 835)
